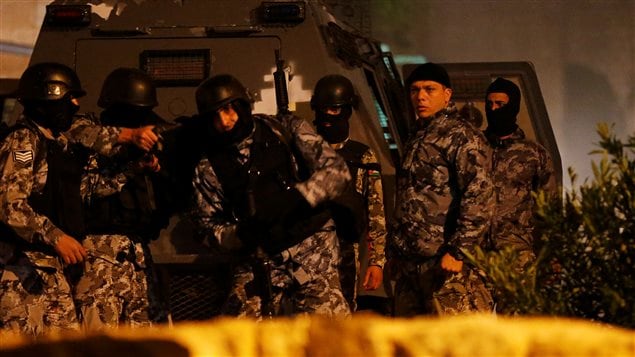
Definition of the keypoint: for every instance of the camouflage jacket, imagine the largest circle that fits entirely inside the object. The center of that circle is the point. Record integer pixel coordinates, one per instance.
(444, 193)
(368, 184)
(328, 178)
(87, 132)
(519, 167)
(24, 170)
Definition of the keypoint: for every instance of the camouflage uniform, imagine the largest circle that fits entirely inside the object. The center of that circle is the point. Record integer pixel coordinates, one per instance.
(368, 184)
(519, 167)
(114, 288)
(35, 296)
(309, 268)
(118, 283)
(443, 204)
(85, 131)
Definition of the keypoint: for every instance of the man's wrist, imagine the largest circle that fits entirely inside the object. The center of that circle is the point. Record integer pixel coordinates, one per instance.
(125, 135)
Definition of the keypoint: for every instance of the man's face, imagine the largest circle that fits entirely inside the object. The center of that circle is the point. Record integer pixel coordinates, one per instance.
(334, 111)
(496, 100)
(429, 97)
(225, 118)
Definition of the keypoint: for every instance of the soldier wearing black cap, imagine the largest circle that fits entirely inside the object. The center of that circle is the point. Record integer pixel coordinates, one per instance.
(444, 200)
(519, 167)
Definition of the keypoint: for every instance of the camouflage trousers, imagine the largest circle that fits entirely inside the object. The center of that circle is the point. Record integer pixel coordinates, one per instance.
(116, 286)
(35, 297)
(305, 274)
(422, 289)
(348, 269)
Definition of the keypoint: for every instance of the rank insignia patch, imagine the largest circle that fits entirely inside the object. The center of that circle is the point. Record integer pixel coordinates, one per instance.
(23, 157)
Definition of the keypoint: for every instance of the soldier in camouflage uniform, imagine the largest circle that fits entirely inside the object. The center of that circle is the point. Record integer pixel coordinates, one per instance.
(249, 194)
(443, 205)
(40, 204)
(117, 286)
(519, 167)
(333, 101)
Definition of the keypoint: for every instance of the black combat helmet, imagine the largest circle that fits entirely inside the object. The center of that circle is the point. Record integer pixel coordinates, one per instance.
(48, 81)
(218, 91)
(333, 91)
(128, 86)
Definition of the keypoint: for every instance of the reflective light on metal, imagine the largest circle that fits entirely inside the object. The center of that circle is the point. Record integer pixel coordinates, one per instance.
(54, 89)
(68, 15)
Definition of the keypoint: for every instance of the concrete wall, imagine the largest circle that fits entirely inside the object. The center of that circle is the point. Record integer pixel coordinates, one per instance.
(20, 22)
(583, 52)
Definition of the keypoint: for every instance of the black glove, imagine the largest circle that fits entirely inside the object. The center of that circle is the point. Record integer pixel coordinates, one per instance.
(280, 207)
(350, 213)
(250, 234)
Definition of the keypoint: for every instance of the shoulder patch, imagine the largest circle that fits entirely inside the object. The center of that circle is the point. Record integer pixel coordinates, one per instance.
(23, 157)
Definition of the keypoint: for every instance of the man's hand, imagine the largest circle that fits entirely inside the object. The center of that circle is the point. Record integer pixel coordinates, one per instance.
(448, 263)
(70, 250)
(142, 137)
(374, 277)
(149, 163)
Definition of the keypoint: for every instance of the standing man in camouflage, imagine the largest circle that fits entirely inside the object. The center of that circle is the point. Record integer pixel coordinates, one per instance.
(40, 204)
(250, 195)
(116, 287)
(519, 167)
(443, 205)
(333, 101)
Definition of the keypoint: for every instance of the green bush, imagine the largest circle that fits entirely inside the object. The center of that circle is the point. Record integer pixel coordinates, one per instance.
(585, 266)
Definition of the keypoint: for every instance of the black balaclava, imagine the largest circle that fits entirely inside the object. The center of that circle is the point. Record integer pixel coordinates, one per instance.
(243, 127)
(502, 121)
(338, 129)
(56, 115)
(129, 116)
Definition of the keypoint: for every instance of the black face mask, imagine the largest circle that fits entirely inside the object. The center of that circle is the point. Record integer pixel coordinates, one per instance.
(56, 115)
(243, 127)
(129, 116)
(333, 128)
(501, 121)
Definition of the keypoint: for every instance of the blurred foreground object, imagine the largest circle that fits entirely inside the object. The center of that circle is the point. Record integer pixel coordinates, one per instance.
(476, 335)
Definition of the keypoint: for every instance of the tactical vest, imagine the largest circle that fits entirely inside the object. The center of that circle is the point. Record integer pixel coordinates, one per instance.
(60, 199)
(268, 172)
(353, 152)
(350, 209)
(138, 211)
(145, 203)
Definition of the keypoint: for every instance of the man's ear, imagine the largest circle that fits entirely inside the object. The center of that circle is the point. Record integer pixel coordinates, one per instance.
(447, 92)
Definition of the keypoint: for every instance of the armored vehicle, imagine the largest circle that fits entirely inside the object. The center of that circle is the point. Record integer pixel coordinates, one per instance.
(279, 50)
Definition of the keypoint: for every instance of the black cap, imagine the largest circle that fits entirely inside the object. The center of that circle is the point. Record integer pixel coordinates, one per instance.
(429, 72)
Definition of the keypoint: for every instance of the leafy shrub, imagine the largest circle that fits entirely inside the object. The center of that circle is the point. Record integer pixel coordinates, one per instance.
(585, 266)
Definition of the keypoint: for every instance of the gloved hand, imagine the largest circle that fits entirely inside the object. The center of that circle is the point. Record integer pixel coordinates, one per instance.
(250, 234)
(280, 208)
